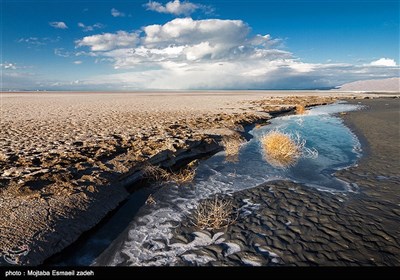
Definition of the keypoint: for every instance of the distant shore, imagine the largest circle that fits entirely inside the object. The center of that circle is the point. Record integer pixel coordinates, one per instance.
(67, 158)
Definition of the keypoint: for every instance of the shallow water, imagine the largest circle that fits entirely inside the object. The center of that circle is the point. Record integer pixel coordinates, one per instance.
(146, 241)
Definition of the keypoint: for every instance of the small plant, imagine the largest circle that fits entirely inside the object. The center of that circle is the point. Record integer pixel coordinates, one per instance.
(155, 173)
(150, 200)
(232, 146)
(300, 109)
(183, 176)
(283, 149)
(214, 214)
(158, 174)
(3, 157)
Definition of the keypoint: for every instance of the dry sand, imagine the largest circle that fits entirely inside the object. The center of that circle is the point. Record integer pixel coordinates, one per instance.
(66, 158)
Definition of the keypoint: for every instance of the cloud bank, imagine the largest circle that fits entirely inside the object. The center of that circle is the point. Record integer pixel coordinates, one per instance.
(185, 53)
(214, 54)
(386, 62)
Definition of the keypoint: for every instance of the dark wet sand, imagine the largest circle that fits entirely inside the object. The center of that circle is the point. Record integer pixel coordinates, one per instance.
(292, 224)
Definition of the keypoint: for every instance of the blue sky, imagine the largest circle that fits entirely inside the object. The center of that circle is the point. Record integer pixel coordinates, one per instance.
(134, 45)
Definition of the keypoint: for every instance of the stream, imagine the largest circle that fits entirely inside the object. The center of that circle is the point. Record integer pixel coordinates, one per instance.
(146, 238)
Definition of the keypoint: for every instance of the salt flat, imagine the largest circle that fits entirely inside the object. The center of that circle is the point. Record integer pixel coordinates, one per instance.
(64, 155)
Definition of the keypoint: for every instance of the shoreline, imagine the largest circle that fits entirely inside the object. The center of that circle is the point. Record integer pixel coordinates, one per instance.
(66, 220)
(295, 225)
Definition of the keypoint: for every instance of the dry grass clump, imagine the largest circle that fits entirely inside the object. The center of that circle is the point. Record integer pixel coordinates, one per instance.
(150, 200)
(283, 149)
(232, 146)
(183, 176)
(158, 174)
(155, 173)
(214, 213)
(3, 157)
(300, 109)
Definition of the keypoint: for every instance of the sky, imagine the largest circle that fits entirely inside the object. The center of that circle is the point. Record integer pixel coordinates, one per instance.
(127, 45)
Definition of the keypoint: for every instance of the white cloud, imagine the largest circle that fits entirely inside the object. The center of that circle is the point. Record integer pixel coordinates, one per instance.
(387, 62)
(61, 52)
(116, 13)
(58, 24)
(208, 54)
(174, 7)
(32, 41)
(109, 41)
(184, 39)
(196, 54)
(36, 41)
(8, 66)
(86, 28)
(189, 31)
(83, 53)
(280, 74)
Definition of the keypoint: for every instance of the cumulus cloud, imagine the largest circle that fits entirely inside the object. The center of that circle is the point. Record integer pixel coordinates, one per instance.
(185, 40)
(175, 7)
(212, 54)
(86, 28)
(189, 31)
(108, 41)
(78, 62)
(387, 62)
(116, 13)
(58, 24)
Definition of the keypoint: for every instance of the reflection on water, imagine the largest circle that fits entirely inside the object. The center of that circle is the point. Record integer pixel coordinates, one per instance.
(147, 239)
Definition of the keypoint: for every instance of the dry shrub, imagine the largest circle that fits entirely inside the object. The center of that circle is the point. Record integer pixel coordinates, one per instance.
(183, 176)
(158, 174)
(232, 146)
(214, 213)
(150, 200)
(3, 157)
(300, 109)
(283, 149)
(155, 173)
